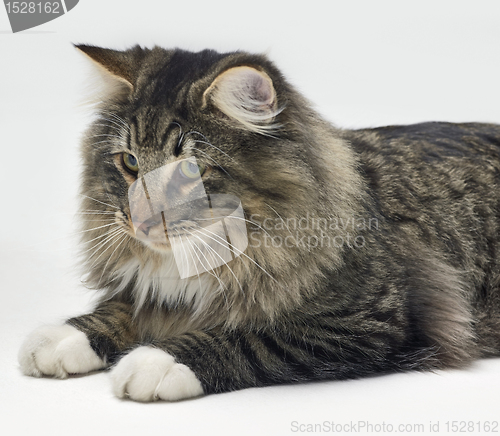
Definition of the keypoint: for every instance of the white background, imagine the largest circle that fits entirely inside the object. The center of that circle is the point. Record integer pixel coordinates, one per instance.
(363, 63)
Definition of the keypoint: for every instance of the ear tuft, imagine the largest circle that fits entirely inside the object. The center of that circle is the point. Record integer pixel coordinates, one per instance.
(114, 70)
(247, 96)
(118, 63)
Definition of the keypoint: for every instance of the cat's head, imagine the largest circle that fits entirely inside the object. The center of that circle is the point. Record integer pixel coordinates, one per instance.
(203, 132)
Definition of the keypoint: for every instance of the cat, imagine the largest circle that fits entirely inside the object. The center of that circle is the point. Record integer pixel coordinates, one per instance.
(362, 251)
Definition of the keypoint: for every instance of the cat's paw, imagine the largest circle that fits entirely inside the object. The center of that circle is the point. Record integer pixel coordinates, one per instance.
(150, 374)
(58, 351)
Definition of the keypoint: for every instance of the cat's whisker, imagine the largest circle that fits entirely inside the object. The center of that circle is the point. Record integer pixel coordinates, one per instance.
(43, 216)
(106, 135)
(116, 277)
(212, 159)
(241, 253)
(104, 220)
(100, 236)
(250, 222)
(108, 234)
(119, 129)
(197, 272)
(210, 267)
(101, 244)
(121, 121)
(103, 135)
(207, 142)
(194, 263)
(106, 142)
(110, 244)
(217, 148)
(123, 248)
(195, 132)
(217, 254)
(181, 133)
(93, 213)
(106, 244)
(279, 216)
(118, 123)
(223, 286)
(125, 235)
(106, 204)
(94, 228)
(231, 217)
(111, 200)
(89, 217)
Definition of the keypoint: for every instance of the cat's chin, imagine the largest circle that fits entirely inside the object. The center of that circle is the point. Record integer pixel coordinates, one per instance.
(159, 247)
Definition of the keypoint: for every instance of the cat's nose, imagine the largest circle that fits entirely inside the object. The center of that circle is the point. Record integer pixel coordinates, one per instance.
(145, 230)
(149, 224)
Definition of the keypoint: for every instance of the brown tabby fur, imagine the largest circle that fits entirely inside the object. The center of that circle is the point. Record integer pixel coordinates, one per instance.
(421, 292)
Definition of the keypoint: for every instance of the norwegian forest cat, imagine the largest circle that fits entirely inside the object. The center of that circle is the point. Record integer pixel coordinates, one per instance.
(357, 252)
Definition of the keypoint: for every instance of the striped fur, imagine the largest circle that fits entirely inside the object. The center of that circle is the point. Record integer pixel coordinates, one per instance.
(413, 285)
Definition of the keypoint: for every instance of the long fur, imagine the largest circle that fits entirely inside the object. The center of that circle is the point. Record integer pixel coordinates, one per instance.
(369, 251)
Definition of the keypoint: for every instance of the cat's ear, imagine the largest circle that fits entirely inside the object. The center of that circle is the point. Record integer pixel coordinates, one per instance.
(246, 95)
(116, 70)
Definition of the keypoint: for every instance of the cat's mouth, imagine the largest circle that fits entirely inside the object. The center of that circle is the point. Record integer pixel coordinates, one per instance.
(158, 241)
(160, 246)
(153, 233)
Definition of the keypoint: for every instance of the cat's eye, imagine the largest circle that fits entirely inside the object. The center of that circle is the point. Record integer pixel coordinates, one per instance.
(191, 170)
(130, 163)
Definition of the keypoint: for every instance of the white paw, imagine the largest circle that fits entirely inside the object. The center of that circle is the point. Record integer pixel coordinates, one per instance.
(58, 351)
(149, 374)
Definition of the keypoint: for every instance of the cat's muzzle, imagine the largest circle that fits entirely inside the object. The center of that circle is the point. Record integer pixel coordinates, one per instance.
(171, 211)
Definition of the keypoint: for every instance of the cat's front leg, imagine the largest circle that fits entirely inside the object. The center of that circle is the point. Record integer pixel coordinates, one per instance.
(57, 351)
(148, 374)
(191, 365)
(84, 344)
(213, 361)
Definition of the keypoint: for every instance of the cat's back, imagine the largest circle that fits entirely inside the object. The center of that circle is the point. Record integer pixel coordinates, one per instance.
(437, 184)
(429, 160)
(429, 143)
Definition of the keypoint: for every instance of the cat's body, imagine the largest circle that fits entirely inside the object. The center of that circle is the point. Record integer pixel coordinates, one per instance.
(369, 251)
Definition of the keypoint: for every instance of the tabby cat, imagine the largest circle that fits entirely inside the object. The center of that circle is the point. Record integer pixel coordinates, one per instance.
(366, 251)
